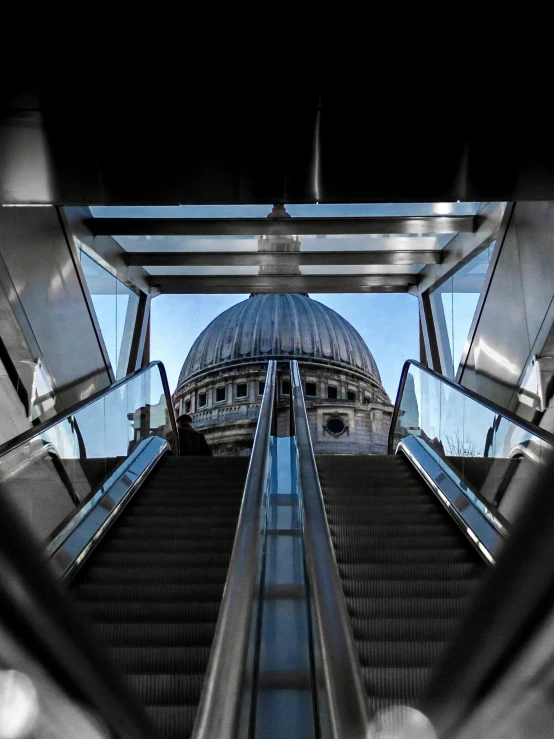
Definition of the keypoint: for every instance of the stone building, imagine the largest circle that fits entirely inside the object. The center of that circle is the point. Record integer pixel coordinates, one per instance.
(222, 379)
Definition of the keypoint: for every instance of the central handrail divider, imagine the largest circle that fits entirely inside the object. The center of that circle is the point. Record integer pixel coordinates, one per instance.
(41, 428)
(224, 695)
(337, 667)
(498, 410)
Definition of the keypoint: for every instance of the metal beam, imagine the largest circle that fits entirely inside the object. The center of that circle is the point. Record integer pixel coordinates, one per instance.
(462, 246)
(266, 259)
(284, 283)
(279, 226)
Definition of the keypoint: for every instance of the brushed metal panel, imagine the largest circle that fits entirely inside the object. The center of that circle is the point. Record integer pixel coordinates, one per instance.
(46, 282)
(501, 343)
(25, 162)
(533, 224)
(223, 146)
(245, 259)
(284, 284)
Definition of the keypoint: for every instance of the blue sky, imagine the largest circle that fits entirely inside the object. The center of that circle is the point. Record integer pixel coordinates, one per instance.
(387, 322)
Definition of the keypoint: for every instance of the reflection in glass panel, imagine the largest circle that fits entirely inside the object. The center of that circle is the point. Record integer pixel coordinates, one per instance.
(454, 304)
(60, 469)
(115, 306)
(494, 457)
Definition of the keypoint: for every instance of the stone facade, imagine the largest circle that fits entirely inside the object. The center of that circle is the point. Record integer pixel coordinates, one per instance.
(361, 408)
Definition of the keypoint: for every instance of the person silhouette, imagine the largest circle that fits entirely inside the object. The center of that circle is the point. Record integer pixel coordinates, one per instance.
(191, 442)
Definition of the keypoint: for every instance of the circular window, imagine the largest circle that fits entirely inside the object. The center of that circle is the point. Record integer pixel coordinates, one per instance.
(335, 426)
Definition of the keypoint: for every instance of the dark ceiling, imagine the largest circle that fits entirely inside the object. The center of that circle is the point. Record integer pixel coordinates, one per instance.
(204, 143)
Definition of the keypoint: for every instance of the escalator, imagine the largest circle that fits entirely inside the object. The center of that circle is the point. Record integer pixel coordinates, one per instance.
(153, 588)
(407, 572)
(278, 595)
(142, 541)
(398, 545)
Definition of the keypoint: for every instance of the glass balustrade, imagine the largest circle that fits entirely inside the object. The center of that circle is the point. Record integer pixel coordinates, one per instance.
(58, 469)
(494, 455)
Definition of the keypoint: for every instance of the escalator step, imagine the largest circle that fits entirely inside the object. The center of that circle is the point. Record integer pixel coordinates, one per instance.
(167, 690)
(343, 541)
(173, 722)
(154, 634)
(388, 682)
(162, 613)
(155, 532)
(160, 660)
(398, 653)
(403, 629)
(161, 522)
(154, 593)
(425, 555)
(172, 545)
(405, 571)
(415, 608)
(167, 560)
(414, 588)
(156, 575)
(392, 530)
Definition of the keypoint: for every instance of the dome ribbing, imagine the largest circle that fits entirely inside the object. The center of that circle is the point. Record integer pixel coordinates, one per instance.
(289, 326)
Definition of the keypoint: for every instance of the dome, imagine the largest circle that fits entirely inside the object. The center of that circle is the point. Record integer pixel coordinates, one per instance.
(284, 326)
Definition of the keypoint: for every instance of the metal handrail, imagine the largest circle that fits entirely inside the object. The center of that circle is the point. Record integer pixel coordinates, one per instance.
(222, 698)
(346, 701)
(498, 410)
(9, 446)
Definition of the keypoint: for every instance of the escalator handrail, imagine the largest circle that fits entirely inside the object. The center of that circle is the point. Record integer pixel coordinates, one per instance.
(36, 431)
(224, 683)
(346, 701)
(498, 410)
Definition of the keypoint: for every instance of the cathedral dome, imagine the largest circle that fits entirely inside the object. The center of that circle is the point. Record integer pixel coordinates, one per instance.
(279, 327)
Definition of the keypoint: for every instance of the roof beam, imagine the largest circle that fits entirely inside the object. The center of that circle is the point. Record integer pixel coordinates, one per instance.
(279, 226)
(270, 259)
(282, 283)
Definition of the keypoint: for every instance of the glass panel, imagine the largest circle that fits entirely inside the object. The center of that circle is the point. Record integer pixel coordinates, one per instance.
(309, 242)
(58, 470)
(115, 306)
(493, 456)
(305, 210)
(454, 304)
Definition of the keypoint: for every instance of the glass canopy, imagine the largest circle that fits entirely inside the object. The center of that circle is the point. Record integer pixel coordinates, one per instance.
(319, 242)
(308, 210)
